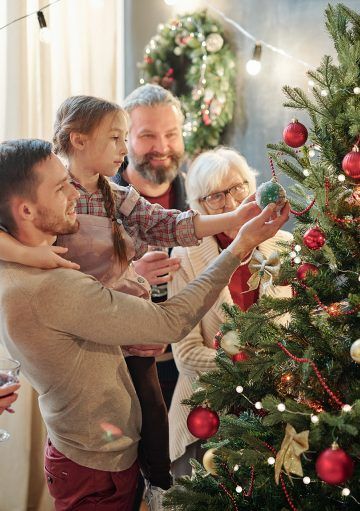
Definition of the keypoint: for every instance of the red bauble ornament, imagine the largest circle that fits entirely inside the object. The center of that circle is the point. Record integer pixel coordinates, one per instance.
(334, 466)
(306, 268)
(240, 357)
(314, 238)
(203, 422)
(295, 134)
(351, 163)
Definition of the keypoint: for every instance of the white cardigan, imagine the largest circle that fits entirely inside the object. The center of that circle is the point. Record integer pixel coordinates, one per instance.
(195, 353)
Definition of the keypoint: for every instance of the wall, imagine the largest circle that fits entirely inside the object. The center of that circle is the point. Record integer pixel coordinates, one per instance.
(296, 26)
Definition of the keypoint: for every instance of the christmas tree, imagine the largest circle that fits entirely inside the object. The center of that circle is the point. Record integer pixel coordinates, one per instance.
(287, 385)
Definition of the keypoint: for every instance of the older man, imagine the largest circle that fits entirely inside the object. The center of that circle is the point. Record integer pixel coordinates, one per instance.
(66, 330)
(156, 149)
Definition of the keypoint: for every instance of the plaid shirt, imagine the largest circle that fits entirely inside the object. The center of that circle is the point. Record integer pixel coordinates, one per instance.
(147, 224)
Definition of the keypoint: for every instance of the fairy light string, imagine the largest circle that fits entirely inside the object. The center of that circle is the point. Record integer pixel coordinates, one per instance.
(30, 14)
(316, 371)
(247, 34)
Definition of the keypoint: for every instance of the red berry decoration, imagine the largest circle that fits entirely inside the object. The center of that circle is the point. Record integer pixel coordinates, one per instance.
(295, 134)
(203, 422)
(314, 238)
(351, 163)
(240, 357)
(306, 268)
(334, 466)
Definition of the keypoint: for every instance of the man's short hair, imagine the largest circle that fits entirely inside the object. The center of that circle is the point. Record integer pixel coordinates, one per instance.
(17, 160)
(152, 95)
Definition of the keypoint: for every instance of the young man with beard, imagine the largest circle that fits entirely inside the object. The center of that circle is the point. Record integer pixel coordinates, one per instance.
(66, 329)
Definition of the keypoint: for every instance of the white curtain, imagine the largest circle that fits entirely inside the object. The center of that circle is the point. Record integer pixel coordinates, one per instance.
(85, 56)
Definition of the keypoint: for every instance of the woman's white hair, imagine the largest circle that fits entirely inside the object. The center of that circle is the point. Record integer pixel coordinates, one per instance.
(208, 171)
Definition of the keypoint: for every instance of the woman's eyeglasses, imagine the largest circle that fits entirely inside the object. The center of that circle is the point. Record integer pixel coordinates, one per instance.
(217, 200)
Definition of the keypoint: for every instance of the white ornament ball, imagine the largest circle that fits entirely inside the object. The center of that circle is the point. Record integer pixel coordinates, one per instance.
(306, 480)
(230, 343)
(281, 407)
(238, 489)
(346, 408)
(271, 460)
(356, 90)
(209, 463)
(355, 351)
(214, 42)
(306, 172)
(341, 178)
(345, 492)
(258, 405)
(314, 419)
(239, 389)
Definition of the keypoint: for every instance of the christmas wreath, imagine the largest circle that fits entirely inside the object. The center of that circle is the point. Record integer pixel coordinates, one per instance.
(189, 56)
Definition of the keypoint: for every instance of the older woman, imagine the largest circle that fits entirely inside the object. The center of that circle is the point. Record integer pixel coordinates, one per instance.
(217, 181)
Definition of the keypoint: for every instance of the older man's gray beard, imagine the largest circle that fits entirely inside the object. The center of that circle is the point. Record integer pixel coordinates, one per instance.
(157, 175)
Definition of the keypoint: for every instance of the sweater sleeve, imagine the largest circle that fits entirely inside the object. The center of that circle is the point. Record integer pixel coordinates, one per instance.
(77, 305)
(191, 355)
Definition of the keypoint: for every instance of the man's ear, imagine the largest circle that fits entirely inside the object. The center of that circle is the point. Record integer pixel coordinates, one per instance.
(78, 140)
(23, 210)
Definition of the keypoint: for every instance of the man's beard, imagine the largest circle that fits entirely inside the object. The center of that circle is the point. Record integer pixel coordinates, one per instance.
(159, 174)
(49, 223)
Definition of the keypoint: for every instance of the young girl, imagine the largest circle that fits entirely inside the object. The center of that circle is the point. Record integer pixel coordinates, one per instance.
(115, 226)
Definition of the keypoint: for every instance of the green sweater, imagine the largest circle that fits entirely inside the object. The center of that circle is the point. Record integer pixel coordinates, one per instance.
(66, 329)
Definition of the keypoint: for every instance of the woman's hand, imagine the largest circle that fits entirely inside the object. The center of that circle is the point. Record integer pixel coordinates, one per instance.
(8, 396)
(47, 257)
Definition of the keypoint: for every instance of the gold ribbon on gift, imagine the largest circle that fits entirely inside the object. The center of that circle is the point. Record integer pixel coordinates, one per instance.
(293, 445)
(263, 270)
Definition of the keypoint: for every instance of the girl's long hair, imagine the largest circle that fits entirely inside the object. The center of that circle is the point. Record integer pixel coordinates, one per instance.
(83, 114)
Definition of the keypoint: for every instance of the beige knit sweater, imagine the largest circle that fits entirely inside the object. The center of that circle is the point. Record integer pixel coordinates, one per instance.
(66, 329)
(195, 353)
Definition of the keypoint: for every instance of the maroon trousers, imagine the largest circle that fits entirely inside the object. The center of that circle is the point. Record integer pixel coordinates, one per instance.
(75, 487)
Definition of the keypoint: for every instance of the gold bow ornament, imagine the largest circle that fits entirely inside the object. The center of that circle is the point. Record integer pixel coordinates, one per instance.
(293, 445)
(263, 270)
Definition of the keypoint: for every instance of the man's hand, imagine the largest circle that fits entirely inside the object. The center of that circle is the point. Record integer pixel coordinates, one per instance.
(8, 397)
(259, 229)
(154, 264)
(146, 350)
(47, 257)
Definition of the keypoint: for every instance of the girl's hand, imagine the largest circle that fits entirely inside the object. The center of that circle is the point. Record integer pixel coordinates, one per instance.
(47, 257)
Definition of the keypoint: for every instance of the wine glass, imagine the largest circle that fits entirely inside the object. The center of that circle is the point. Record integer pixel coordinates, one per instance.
(9, 374)
(158, 291)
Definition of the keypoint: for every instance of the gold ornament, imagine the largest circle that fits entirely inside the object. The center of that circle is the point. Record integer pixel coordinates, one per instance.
(355, 351)
(292, 446)
(263, 270)
(230, 343)
(208, 462)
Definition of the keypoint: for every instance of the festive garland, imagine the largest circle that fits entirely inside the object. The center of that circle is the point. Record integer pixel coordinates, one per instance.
(188, 55)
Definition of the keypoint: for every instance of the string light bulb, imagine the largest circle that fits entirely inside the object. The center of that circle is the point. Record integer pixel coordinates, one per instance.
(253, 65)
(45, 34)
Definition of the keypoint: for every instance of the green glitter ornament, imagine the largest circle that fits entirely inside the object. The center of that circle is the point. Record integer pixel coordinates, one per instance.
(269, 192)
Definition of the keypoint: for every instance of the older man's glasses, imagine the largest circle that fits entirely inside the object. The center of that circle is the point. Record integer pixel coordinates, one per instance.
(217, 200)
